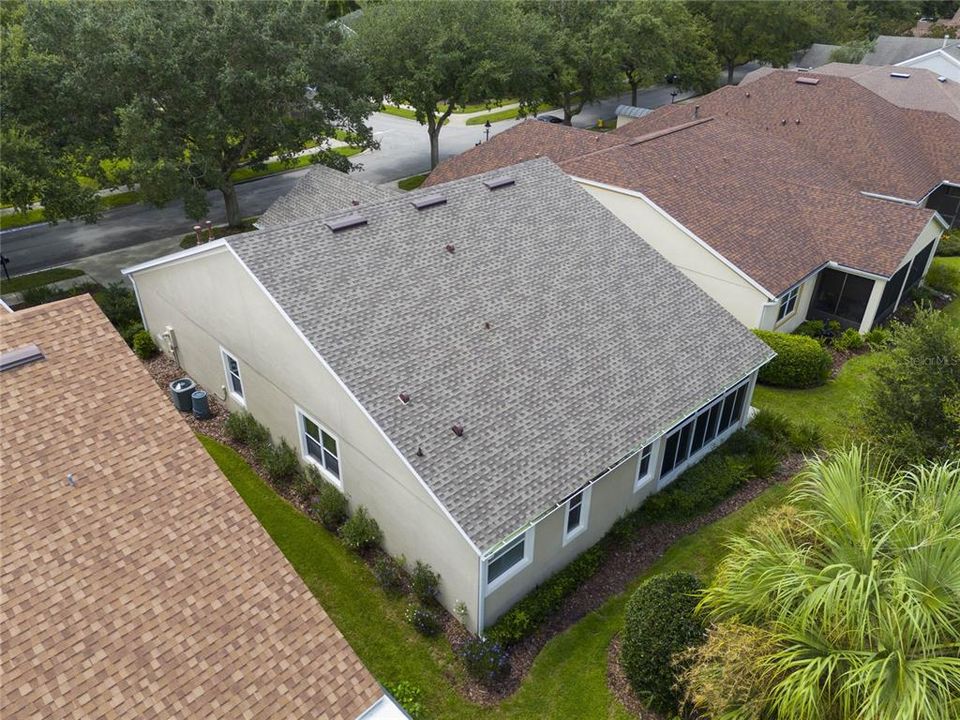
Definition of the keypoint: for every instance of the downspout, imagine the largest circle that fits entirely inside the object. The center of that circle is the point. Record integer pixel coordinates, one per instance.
(480, 595)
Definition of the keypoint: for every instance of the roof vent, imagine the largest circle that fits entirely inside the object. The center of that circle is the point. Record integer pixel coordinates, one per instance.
(404, 397)
(428, 201)
(449, 248)
(900, 75)
(10, 359)
(346, 221)
(354, 202)
(499, 182)
(942, 78)
(458, 430)
(807, 81)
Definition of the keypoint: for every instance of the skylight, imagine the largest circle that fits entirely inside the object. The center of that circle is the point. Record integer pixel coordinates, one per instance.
(808, 81)
(10, 359)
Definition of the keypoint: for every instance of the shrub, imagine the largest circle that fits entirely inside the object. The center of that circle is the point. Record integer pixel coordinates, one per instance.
(660, 621)
(306, 484)
(878, 338)
(801, 362)
(485, 660)
(746, 440)
(774, 426)
(38, 295)
(280, 462)
(699, 488)
(331, 504)
(390, 574)
(805, 437)
(848, 341)
(129, 331)
(810, 328)
(143, 345)
(119, 304)
(534, 609)
(408, 696)
(243, 428)
(361, 532)
(762, 462)
(949, 243)
(908, 408)
(426, 583)
(425, 620)
(943, 278)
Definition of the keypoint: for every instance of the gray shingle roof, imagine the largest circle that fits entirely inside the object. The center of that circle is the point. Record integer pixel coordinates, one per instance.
(595, 344)
(888, 50)
(633, 111)
(320, 192)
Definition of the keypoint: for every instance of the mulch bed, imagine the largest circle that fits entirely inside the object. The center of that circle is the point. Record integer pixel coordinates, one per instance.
(621, 566)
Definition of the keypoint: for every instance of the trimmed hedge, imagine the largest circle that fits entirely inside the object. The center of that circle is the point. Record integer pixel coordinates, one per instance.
(660, 621)
(801, 361)
(545, 600)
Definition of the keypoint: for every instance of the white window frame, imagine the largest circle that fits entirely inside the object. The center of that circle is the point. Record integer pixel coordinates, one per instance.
(643, 480)
(569, 535)
(721, 437)
(307, 457)
(527, 538)
(791, 296)
(225, 357)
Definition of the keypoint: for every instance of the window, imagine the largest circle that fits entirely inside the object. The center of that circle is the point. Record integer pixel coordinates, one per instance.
(320, 447)
(232, 369)
(509, 560)
(788, 302)
(643, 468)
(578, 515)
(690, 439)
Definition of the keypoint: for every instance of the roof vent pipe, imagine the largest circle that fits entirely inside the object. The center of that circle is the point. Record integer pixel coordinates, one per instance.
(457, 429)
(696, 111)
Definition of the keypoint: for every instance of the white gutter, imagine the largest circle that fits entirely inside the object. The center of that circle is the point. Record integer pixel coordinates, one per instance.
(676, 223)
(891, 198)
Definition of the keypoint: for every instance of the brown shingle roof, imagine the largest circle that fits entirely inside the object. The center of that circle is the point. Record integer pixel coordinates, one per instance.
(880, 147)
(148, 589)
(778, 199)
(717, 179)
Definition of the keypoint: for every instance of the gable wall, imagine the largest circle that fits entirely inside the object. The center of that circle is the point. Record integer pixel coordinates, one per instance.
(210, 301)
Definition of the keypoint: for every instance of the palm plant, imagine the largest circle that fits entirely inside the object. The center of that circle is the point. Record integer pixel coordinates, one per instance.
(858, 587)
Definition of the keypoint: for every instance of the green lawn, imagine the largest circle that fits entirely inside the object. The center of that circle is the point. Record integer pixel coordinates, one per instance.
(508, 114)
(836, 406)
(37, 279)
(568, 678)
(247, 173)
(412, 182)
(399, 111)
(14, 220)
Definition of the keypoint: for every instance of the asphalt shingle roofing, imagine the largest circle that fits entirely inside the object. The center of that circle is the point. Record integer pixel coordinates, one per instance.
(769, 174)
(320, 192)
(147, 589)
(559, 339)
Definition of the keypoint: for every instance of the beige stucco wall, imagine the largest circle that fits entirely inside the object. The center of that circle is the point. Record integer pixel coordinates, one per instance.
(611, 497)
(211, 301)
(721, 282)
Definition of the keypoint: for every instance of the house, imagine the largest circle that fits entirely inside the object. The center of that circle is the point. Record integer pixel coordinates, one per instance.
(136, 582)
(320, 192)
(497, 368)
(797, 196)
(938, 55)
(917, 89)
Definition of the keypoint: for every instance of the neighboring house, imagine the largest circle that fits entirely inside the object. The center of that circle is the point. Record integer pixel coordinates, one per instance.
(497, 368)
(939, 55)
(797, 196)
(318, 193)
(915, 89)
(628, 113)
(136, 582)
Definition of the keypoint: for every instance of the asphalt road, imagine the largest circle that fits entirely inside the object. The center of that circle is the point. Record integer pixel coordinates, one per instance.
(404, 151)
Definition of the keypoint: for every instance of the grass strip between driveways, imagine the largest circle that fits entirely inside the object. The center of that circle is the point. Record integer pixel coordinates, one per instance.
(38, 279)
(568, 678)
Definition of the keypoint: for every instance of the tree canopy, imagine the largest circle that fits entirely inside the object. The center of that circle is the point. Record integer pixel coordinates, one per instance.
(846, 603)
(436, 56)
(186, 91)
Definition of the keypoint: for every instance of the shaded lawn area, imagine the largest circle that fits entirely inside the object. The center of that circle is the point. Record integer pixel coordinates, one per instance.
(568, 678)
(412, 182)
(837, 406)
(508, 114)
(38, 279)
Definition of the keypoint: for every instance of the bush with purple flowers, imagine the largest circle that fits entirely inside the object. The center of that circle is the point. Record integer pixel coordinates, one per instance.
(485, 660)
(427, 622)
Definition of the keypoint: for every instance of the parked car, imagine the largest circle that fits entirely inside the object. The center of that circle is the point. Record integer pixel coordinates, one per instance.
(550, 119)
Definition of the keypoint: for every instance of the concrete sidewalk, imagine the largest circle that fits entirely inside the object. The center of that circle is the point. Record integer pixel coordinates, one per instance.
(105, 268)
